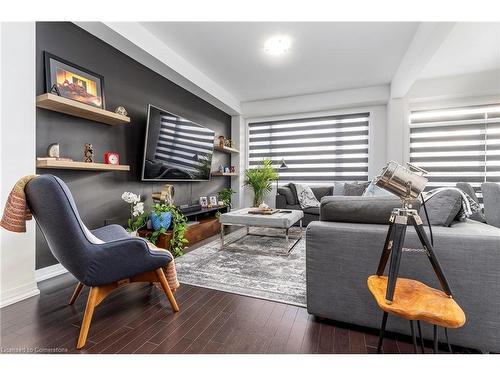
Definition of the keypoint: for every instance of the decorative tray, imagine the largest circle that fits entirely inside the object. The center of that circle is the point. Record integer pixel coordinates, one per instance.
(257, 211)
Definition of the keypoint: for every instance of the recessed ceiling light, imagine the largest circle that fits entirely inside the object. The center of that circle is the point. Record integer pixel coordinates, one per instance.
(277, 45)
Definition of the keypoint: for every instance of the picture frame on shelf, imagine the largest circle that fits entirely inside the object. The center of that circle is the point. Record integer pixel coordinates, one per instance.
(203, 202)
(73, 82)
(213, 200)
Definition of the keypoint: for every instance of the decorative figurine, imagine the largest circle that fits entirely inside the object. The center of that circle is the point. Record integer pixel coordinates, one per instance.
(228, 143)
(167, 194)
(221, 168)
(232, 169)
(53, 150)
(121, 110)
(221, 141)
(54, 90)
(227, 170)
(89, 153)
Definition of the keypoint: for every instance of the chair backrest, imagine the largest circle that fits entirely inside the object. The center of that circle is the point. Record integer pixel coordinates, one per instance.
(54, 209)
(491, 200)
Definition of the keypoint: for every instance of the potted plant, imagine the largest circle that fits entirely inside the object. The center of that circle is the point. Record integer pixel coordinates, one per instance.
(177, 221)
(260, 179)
(225, 196)
(137, 218)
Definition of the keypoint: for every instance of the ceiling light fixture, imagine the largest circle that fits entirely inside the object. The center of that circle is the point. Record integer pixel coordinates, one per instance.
(277, 45)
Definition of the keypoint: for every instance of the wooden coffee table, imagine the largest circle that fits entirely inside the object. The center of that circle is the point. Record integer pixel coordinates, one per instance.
(279, 220)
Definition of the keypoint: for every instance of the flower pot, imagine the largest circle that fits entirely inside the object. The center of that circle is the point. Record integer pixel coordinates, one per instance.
(162, 220)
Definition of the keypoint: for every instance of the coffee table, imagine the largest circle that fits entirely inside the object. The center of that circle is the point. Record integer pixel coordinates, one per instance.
(278, 220)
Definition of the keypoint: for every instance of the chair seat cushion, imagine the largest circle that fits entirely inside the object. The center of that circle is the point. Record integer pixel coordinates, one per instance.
(110, 233)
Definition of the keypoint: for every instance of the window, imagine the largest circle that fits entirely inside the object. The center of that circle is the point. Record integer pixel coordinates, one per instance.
(319, 149)
(455, 145)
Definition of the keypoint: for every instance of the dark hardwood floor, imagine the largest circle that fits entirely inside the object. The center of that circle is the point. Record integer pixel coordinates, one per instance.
(137, 318)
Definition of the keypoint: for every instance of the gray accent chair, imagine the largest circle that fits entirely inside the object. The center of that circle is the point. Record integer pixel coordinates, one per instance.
(102, 259)
(341, 254)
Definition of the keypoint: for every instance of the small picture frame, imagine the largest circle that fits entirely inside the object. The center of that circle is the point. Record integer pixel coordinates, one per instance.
(203, 202)
(213, 200)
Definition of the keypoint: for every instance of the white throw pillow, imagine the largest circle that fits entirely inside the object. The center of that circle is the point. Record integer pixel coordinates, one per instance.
(306, 196)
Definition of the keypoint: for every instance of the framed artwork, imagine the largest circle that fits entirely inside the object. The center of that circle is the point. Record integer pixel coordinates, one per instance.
(73, 82)
(203, 202)
(213, 200)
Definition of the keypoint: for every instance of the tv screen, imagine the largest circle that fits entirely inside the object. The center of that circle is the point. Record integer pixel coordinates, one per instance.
(176, 148)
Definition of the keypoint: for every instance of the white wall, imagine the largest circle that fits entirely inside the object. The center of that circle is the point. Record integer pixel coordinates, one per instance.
(331, 100)
(17, 154)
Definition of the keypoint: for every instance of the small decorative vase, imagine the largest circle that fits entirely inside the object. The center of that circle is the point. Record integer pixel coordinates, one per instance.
(162, 220)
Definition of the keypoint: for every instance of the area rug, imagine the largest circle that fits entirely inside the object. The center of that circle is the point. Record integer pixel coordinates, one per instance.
(251, 265)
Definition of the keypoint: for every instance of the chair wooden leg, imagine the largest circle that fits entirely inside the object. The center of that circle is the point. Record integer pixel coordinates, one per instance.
(87, 318)
(164, 284)
(76, 293)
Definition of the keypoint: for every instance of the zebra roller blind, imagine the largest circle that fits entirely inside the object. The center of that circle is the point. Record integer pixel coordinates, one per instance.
(319, 149)
(459, 144)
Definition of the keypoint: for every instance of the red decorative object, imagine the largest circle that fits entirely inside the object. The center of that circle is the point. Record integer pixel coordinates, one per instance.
(111, 158)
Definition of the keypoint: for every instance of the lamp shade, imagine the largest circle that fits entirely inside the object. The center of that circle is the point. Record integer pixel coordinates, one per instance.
(283, 164)
(405, 182)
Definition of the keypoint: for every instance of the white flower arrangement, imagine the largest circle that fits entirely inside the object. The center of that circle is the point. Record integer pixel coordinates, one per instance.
(131, 198)
(138, 209)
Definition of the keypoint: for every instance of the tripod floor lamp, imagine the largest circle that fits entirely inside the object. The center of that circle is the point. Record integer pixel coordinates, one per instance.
(406, 298)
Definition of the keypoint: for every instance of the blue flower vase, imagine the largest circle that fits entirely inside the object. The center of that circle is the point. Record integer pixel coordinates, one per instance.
(162, 220)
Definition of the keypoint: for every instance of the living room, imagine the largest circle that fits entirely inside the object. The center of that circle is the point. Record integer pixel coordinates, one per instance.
(196, 186)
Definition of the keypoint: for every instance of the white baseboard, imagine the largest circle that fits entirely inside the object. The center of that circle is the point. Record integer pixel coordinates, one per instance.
(49, 272)
(18, 294)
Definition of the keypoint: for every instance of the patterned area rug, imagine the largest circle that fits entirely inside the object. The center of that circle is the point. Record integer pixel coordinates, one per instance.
(251, 265)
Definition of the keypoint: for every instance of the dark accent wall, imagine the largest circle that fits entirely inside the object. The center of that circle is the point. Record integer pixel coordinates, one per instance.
(134, 86)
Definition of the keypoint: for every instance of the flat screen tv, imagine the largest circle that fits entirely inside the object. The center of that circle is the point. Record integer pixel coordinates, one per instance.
(176, 149)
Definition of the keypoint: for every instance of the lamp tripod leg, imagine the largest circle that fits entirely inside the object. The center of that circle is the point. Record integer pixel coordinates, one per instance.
(397, 249)
(382, 332)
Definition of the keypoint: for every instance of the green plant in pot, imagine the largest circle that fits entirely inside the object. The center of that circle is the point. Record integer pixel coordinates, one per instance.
(260, 179)
(178, 225)
(225, 196)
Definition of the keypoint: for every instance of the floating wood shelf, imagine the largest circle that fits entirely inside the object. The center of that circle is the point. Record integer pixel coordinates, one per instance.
(227, 150)
(217, 174)
(77, 109)
(80, 165)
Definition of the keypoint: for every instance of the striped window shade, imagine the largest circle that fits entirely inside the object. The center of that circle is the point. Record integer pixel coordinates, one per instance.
(457, 145)
(318, 149)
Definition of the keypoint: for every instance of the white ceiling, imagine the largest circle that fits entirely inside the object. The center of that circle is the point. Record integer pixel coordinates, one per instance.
(469, 48)
(323, 57)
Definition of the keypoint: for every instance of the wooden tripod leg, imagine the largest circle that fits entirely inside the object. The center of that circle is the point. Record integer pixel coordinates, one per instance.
(164, 284)
(87, 318)
(76, 293)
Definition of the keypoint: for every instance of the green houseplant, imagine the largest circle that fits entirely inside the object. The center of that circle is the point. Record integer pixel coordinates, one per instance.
(225, 196)
(179, 227)
(260, 179)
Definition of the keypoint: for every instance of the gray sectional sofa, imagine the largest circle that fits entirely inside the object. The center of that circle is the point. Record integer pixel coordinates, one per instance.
(341, 252)
(286, 197)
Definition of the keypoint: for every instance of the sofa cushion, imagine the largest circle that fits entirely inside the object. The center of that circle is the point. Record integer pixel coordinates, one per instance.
(442, 208)
(374, 191)
(321, 191)
(491, 199)
(312, 210)
(469, 190)
(357, 209)
(291, 197)
(338, 188)
(355, 189)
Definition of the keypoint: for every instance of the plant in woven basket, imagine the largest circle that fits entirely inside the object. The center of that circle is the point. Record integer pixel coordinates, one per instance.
(260, 179)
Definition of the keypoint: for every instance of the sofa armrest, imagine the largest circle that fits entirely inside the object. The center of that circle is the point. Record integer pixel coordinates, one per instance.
(341, 256)
(280, 201)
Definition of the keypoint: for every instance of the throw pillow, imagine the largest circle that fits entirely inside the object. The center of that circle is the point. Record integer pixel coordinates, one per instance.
(442, 208)
(338, 188)
(469, 190)
(305, 196)
(374, 191)
(289, 195)
(355, 189)
(321, 191)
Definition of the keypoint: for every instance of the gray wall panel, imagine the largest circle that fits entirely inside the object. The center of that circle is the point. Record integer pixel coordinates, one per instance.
(127, 83)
